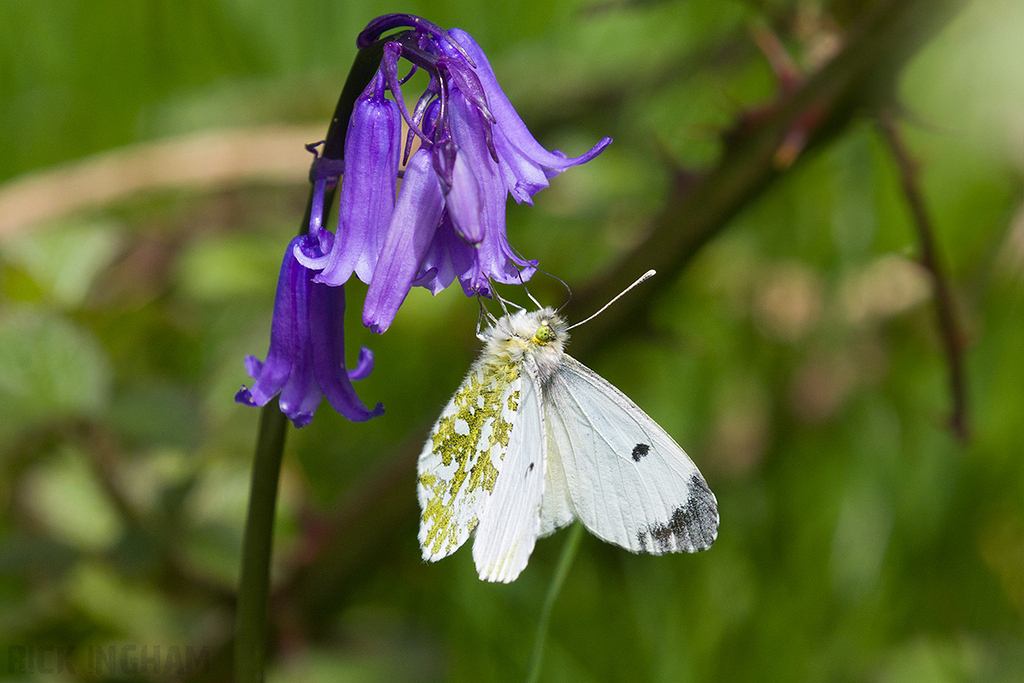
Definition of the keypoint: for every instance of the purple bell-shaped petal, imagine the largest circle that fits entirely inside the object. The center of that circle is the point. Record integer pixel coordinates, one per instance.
(413, 224)
(525, 163)
(306, 357)
(372, 150)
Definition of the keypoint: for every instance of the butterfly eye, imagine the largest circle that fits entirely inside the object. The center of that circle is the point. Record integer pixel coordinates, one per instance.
(543, 335)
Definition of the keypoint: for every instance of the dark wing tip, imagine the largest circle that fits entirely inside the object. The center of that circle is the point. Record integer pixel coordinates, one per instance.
(692, 526)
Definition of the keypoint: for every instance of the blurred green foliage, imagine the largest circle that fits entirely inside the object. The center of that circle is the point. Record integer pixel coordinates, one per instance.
(797, 359)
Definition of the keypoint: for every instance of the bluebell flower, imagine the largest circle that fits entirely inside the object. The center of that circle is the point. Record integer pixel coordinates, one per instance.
(306, 360)
(448, 221)
(372, 155)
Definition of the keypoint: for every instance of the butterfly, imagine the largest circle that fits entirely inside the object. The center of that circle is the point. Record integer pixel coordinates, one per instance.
(532, 440)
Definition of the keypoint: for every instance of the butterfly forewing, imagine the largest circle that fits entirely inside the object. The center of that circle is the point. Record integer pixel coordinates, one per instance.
(628, 481)
(510, 522)
(460, 462)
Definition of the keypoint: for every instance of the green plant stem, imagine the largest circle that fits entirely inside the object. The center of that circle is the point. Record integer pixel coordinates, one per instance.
(949, 327)
(254, 585)
(572, 544)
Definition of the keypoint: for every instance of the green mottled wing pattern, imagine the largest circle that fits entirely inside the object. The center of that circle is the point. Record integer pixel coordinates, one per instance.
(510, 523)
(461, 460)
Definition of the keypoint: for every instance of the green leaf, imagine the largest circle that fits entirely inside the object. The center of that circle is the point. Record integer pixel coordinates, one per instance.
(50, 369)
(64, 259)
(63, 495)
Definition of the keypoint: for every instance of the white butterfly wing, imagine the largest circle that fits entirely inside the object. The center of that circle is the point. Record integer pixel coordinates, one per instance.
(510, 522)
(628, 481)
(557, 509)
(459, 465)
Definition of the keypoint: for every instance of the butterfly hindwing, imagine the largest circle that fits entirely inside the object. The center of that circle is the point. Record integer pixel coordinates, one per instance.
(628, 481)
(557, 509)
(459, 464)
(510, 522)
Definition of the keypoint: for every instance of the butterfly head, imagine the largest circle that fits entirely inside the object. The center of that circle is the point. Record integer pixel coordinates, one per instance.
(544, 334)
(539, 335)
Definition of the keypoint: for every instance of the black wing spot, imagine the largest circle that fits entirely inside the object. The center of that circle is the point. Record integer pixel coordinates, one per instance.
(640, 450)
(530, 468)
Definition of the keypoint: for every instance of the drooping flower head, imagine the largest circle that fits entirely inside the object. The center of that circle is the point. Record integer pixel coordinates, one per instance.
(306, 360)
(448, 221)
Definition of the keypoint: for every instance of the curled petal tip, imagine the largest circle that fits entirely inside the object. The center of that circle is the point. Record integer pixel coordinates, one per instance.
(377, 411)
(311, 262)
(363, 414)
(364, 366)
(253, 367)
(300, 420)
(244, 397)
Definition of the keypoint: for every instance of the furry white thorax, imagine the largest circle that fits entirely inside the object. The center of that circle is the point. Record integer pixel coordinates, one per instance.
(514, 337)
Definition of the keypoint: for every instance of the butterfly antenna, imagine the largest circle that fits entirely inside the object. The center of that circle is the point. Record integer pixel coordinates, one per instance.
(527, 290)
(501, 300)
(645, 276)
(553, 277)
(535, 302)
(479, 315)
(484, 313)
(565, 284)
